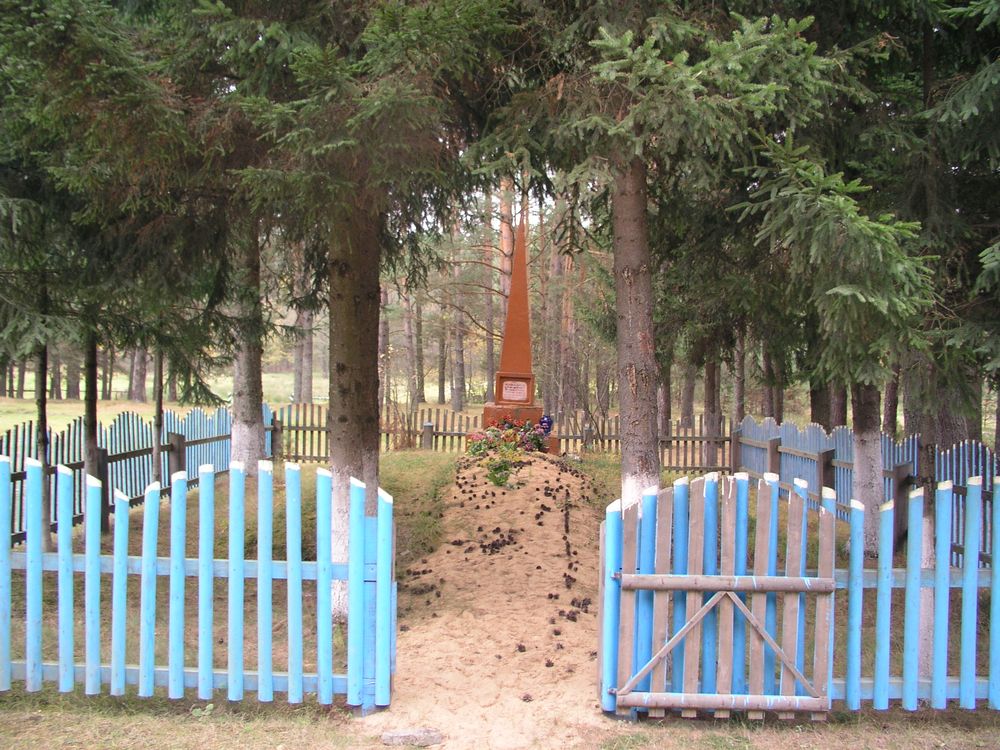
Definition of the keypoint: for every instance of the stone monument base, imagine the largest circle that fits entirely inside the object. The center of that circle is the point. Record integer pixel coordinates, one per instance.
(493, 412)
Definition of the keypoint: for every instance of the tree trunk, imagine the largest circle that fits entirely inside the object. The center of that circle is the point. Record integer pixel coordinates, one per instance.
(488, 316)
(767, 392)
(107, 377)
(72, 363)
(819, 404)
(353, 422)
(664, 394)
(418, 348)
(713, 412)
(687, 394)
(137, 381)
(637, 370)
(569, 384)
(868, 485)
(506, 241)
(248, 392)
(778, 389)
(172, 385)
(891, 406)
(602, 385)
(442, 368)
(384, 390)
(157, 473)
(308, 356)
(55, 383)
(739, 380)
(838, 405)
(4, 370)
(22, 368)
(411, 351)
(458, 341)
(42, 436)
(90, 409)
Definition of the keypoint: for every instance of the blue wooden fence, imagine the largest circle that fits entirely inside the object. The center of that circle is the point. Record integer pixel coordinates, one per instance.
(910, 634)
(128, 441)
(827, 459)
(370, 649)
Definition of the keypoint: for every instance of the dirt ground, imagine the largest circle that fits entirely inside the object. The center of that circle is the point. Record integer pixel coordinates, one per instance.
(498, 628)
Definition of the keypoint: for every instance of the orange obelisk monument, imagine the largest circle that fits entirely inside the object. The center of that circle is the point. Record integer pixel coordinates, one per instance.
(515, 383)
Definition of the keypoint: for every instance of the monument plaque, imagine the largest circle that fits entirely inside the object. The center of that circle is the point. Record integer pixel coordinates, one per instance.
(514, 390)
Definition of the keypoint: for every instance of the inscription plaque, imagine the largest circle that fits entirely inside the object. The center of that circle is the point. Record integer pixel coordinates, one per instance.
(514, 390)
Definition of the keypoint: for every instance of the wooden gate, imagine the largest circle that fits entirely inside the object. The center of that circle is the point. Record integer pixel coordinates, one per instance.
(694, 620)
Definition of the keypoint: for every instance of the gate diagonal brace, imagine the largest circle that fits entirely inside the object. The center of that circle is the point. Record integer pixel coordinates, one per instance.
(713, 602)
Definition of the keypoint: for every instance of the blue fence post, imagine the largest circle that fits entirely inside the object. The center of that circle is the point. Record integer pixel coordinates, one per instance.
(383, 600)
(611, 605)
(206, 585)
(64, 534)
(175, 623)
(883, 605)
(33, 587)
(680, 561)
(710, 558)
(970, 592)
(265, 542)
(119, 593)
(942, 592)
(6, 503)
(994, 680)
(92, 588)
(911, 607)
(771, 609)
(356, 593)
(237, 481)
(293, 549)
(147, 589)
(644, 598)
(855, 595)
(324, 586)
(742, 480)
(801, 488)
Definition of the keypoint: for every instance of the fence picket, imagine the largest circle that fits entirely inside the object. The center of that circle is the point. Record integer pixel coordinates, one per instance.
(64, 512)
(970, 599)
(265, 542)
(147, 587)
(206, 556)
(119, 592)
(236, 587)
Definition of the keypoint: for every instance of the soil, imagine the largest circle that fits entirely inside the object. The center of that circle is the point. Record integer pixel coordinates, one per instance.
(497, 644)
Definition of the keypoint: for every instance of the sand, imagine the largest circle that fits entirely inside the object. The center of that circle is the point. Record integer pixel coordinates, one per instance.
(498, 628)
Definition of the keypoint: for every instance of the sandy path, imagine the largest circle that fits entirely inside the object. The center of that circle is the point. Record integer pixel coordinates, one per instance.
(498, 628)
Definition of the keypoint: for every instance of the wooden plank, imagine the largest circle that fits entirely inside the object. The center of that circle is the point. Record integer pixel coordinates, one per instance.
(626, 642)
(661, 600)
(696, 548)
(790, 614)
(759, 601)
(824, 602)
(724, 675)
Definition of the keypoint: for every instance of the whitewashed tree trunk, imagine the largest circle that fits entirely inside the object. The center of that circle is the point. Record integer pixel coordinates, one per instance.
(868, 486)
(248, 393)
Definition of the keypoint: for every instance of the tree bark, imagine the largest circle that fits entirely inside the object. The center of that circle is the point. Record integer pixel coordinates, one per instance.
(411, 352)
(488, 316)
(778, 390)
(157, 473)
(90, 408)
(172, 385)
(891, 407)
(506, 241)
(353, 421)
(569, 381)
(739, 380)
(55, 382)
(107, 377)
(602, 385)
(418, 349)
(867, 485)
(72, 364)
(713, 412)
(664, 394)
(838, 405)
(819, 404)
(42, 436)
(458, 342)
(248, 420)
(384, 389)
(637, 371)
(442, 358)
(137, 380)
(22, 368)
(687, 395)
